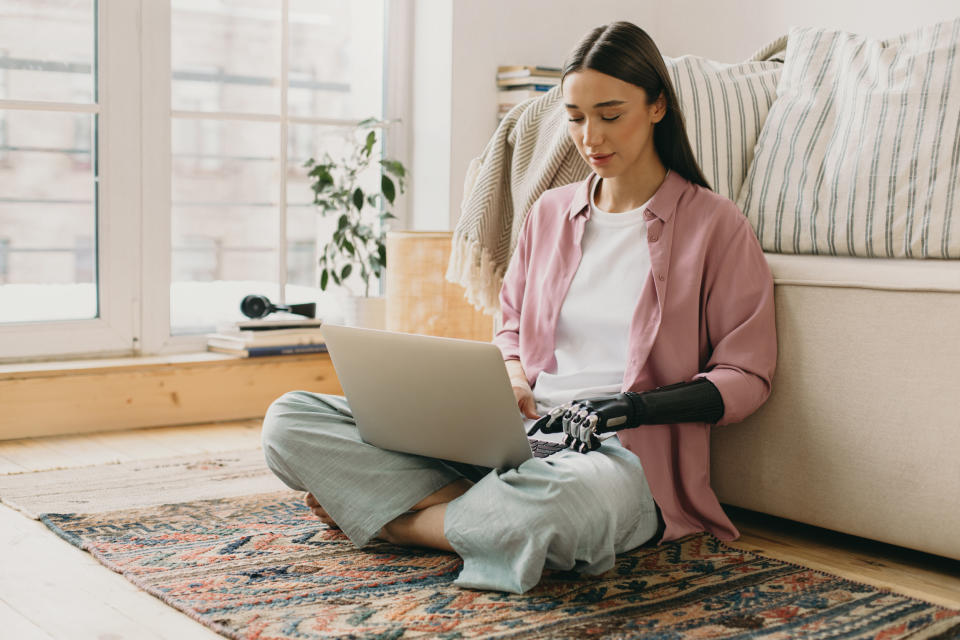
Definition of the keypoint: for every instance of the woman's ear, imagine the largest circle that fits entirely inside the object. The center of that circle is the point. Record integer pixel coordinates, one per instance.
(659, 108)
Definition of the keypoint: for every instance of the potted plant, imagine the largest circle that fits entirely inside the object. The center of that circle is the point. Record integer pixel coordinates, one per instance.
(358, 245)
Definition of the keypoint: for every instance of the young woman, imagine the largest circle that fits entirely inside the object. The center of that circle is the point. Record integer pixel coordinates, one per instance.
(637, 312)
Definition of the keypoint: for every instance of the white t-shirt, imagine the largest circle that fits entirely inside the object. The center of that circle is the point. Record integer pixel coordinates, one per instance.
(594, 323)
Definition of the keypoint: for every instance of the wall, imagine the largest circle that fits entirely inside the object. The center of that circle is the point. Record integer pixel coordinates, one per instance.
(430, 177)
(455, 104)
(455, 114)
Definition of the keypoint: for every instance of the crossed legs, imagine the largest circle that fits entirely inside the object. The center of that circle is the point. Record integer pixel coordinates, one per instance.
(570, 511)
(311, 443)
(422, 526)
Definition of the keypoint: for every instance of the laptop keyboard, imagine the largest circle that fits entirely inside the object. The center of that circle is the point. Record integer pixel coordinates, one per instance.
(544, 448)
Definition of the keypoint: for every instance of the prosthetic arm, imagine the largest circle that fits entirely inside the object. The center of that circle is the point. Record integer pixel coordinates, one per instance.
(582, 420)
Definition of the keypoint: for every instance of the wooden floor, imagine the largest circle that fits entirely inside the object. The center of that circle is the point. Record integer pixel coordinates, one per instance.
(50, 589)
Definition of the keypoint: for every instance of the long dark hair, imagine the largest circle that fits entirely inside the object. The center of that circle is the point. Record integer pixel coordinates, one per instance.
(625, 51)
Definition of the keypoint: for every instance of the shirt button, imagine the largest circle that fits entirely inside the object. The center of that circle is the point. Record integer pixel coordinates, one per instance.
(660, 277)
(653, 237)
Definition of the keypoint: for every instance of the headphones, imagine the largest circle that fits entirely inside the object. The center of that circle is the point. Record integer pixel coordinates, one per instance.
(256, 306)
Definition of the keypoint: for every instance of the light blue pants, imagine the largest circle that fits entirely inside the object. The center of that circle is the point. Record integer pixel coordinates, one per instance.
(571, 511)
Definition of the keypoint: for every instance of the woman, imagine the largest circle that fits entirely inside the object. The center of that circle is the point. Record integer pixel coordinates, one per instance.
(637, 311)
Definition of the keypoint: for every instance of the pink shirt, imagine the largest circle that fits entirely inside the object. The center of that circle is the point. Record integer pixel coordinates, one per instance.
(706, 310)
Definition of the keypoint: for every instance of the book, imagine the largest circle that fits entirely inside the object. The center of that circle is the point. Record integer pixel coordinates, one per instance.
(278, 350)
(246, 339)
(529, 80)
(516, 97)
(252, 333)
(272, 324)
(522, 70)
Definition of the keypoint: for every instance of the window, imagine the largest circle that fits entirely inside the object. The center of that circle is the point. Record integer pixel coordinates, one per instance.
(4, 91)
(151, 160)
(49, 109)
(258, 88)
(4, 260)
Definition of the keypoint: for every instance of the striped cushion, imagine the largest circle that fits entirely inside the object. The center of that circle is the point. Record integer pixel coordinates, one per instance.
(724, 107)
(860, 153)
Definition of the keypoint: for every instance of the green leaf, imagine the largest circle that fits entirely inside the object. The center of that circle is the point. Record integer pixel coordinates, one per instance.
(386, 185)
(382, 251)
(368, 122)
(349, 247)
(386, 215)
(324, 279)
(323, 178)
(309, 163)
(342, 223)
(336, 278)
(395, 167)
(371, 140)
(358, 198)
(346, 271)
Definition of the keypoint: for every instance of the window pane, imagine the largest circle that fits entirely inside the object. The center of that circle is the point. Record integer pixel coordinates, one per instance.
(225, 219)
(305, 224)
(48, 216)
(336, 58)
(226, 56)
(46, 50)
(307, 230)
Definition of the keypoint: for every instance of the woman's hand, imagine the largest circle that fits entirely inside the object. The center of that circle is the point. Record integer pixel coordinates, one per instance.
(319, 511)
(525, 401)
(521, 389)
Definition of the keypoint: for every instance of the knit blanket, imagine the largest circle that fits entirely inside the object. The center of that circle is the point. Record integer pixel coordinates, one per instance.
(530, 152)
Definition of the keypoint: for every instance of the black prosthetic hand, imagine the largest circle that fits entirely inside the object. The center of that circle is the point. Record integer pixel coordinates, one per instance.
(582, 420)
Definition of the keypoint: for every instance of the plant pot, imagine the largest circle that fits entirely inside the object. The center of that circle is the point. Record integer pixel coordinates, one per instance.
(366, 312)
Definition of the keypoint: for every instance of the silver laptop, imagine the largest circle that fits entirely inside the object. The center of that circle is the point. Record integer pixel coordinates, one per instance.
(439, 397)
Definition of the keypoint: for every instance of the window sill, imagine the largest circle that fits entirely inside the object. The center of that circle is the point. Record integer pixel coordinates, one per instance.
(126, 363)
(83, 396)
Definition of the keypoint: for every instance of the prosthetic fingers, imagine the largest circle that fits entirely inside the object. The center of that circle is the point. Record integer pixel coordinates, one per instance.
(583, 420)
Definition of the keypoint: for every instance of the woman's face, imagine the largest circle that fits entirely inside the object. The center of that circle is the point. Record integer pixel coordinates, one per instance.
(611, 122)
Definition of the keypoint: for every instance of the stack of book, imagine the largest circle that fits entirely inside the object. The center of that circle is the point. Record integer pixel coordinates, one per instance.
(521, 82)
(275, 337)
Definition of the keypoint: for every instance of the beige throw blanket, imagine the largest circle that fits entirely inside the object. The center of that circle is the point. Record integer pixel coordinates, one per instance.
(529, 153)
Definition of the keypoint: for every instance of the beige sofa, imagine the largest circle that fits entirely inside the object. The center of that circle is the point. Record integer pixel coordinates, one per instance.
(861, 433)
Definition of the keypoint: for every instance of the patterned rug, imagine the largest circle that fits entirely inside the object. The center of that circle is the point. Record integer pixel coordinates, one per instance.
(262, 567)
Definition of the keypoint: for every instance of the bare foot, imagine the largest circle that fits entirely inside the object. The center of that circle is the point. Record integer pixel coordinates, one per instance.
(319, 511)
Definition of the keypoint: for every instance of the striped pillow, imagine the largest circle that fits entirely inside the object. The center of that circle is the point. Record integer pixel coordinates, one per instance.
(724, 107)
(860, 153)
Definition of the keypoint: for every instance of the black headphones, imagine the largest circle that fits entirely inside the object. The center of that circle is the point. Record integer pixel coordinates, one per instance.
(256, 306)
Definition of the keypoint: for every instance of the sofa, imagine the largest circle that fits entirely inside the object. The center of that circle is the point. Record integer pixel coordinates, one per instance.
(861, 433)
(844, 154)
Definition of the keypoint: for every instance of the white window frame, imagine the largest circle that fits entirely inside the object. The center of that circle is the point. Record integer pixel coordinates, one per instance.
(134, 219)
(118, 219)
